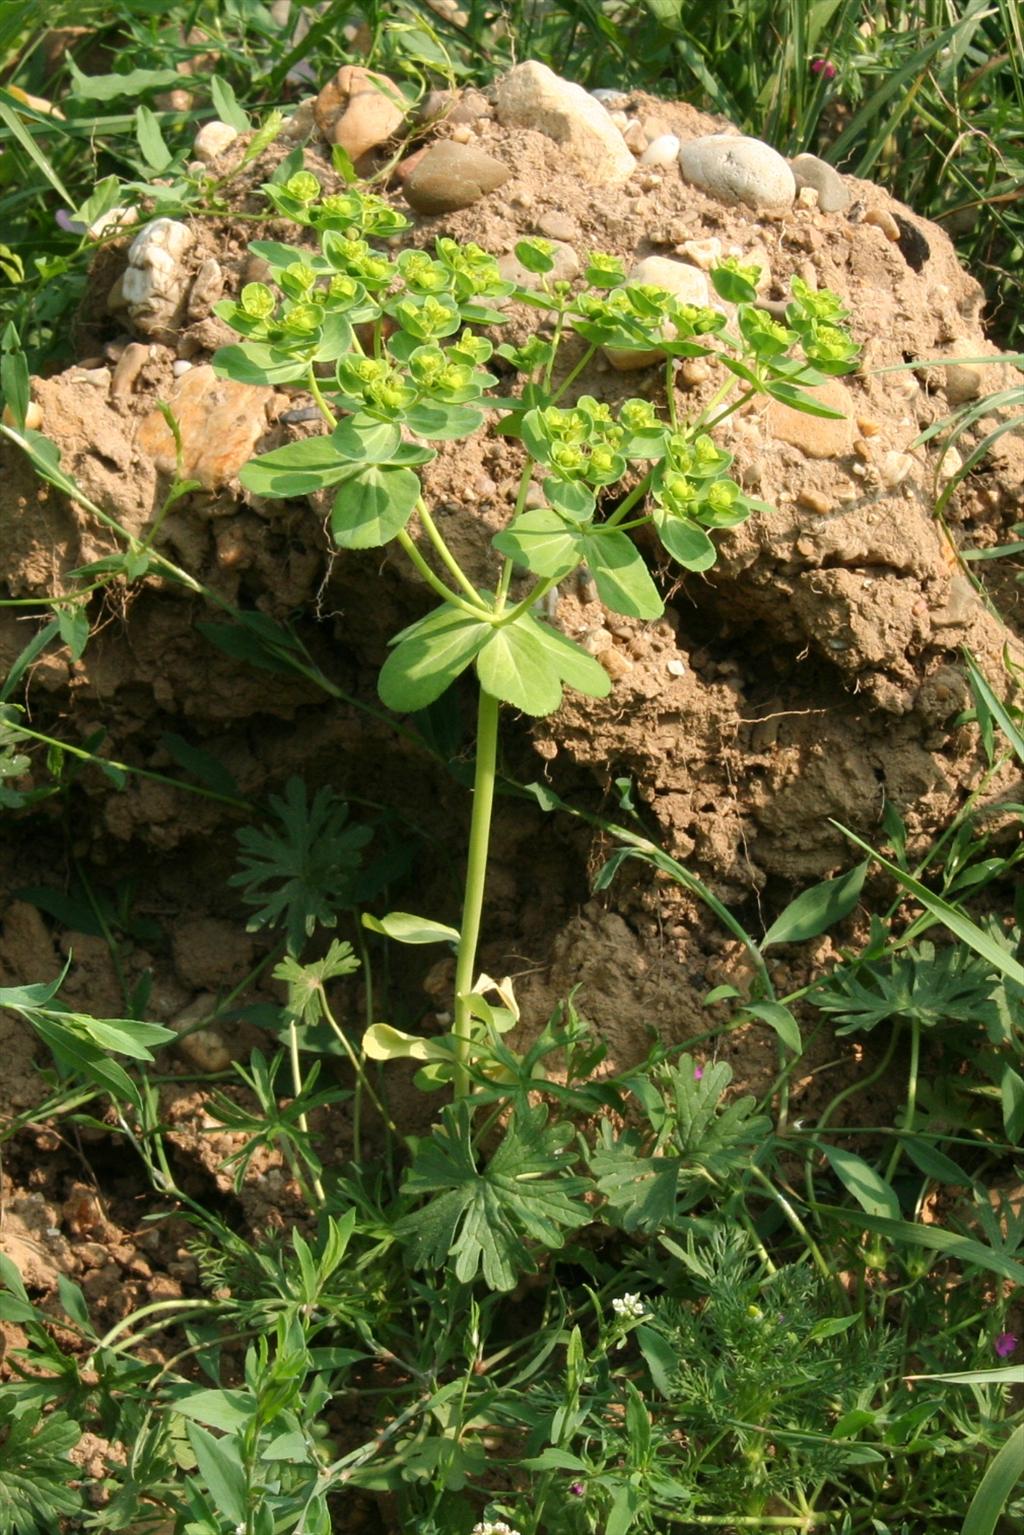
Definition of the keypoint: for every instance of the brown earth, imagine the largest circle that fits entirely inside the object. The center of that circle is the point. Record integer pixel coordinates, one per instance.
(813, 675)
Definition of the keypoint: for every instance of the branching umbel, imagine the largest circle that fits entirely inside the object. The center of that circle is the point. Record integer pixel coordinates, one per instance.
(391, 352)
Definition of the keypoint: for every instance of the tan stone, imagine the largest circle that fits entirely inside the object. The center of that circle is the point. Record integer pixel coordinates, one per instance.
(532, 96)
(815, 436)
(359, 109)
(220, 423)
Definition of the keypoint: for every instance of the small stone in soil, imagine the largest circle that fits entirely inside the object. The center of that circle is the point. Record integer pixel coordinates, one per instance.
(533, 96)
(738, 170)
(452, 176)
(833, 193)
(212, 140)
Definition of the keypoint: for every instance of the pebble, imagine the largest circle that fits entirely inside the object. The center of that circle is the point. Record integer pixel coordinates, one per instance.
(33, 416)
(359, 109)
(675, 667)
(452, 176)
(963, 380)
(814, 501)
(703, 253)
(693, 371)
(207, 288)
(894, 468)
(950, 465)
(634, 138)
(132, 360)
(212, 140)
(179, 366)
(663, 150)
(207, 1049)
(556, 226)
(885, 222)
(738, 170)
(533, 96)
(566, 267)
(815, 436)
(611, 100)
(220, 422)
(833, 193)
(153, 286)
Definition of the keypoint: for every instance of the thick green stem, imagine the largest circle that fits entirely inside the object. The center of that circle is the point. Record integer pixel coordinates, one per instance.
(476, 875)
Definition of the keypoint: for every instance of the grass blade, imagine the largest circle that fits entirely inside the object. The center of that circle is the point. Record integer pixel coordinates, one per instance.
(1001, 1477)
(9, 116)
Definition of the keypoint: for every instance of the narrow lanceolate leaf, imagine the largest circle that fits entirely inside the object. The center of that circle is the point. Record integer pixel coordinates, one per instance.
(969, 932)
(868, 1187)
(818, 908)
(372, 506)
(1002, 1475)
(487, 1219)
(403, 927)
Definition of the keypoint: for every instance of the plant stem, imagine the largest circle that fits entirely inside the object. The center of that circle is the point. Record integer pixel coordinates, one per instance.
(434, 582)
(476, 875)
(297, 1088)
(911, 1108)
(444, 553)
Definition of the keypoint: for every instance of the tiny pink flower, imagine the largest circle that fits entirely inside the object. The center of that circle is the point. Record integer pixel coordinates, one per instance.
(1005, 1343)
(698, 1072)
(823, 67)
(577, 1489)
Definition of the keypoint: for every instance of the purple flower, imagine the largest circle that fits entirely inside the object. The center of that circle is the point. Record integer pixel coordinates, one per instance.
(577, 1489)
(698, 1072)
(823, 67)
(1005, 1343)
(70, 226)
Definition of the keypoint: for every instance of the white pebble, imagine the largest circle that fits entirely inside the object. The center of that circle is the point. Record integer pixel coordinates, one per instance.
(661, 151)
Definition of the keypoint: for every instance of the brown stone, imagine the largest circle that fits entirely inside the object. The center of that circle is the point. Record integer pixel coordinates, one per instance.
(815, 436)
(359, 109)
(452, 176)
(220, 423)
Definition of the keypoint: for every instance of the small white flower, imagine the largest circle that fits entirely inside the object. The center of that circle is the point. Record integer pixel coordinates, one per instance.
(493, 1527)
(631, 1306)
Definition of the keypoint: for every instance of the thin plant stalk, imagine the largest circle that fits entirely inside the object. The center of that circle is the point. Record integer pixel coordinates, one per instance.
(476, 875)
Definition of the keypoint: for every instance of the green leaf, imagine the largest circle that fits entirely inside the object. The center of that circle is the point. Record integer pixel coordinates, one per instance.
(540, 540)
(297, 469)
(963, 1250)
(428, 657)
(299, 870)
(781, 1020)
(513, 664)
(73, 624)
(151, 141)
(868, 1187)
(82, 1056)
(405, 928)
(1011, 1090)
(253, 362)
(383, 1043)
(975, 937)
(222, 1471)
(817, 908)
(373, 506)
(576, 668)
(685, 541)
(226, 106)
(622, 579)
(487, 1220)
(429, 419)
(109, 87)
(365, 440)
(226, 1410)
(715, 1141)
(1002, 1476)
(640, 1190)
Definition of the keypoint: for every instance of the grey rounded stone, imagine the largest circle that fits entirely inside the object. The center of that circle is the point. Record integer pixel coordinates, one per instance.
(738, 170)
(833, 193)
